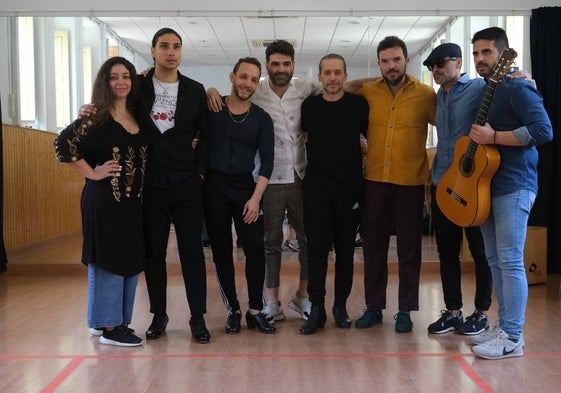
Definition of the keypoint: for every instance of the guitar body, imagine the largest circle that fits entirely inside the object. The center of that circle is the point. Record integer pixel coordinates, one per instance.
(464, 196)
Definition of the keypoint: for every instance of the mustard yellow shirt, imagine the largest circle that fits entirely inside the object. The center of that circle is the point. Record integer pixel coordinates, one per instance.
(397, 131)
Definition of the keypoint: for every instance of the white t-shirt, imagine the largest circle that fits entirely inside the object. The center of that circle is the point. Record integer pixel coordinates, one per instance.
(290, 151)
(163, 110)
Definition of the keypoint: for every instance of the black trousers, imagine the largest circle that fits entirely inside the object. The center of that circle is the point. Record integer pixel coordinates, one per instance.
(449, 238)
(225, 196)
(386, 204)
(181, 205)
(330, 217)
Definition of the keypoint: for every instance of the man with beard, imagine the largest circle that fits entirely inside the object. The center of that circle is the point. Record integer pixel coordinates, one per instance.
(281, 97)
(458, 100)
(235, 135)
(396, 172)
(517, 123)
(334, 122)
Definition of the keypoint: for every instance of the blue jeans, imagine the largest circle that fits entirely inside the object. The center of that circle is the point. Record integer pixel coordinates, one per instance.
(110, 298)
(504, 234)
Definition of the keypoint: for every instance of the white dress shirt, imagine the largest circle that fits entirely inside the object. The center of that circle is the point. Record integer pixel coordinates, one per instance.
(290, 151)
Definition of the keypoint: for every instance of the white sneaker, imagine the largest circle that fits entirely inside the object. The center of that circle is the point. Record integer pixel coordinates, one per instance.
(487, 335)
(301, 305)
(500, 347)
(95, 332)
(292, 244)
(273, 312)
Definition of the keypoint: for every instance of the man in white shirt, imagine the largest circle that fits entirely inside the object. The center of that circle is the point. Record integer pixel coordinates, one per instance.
(281, 97)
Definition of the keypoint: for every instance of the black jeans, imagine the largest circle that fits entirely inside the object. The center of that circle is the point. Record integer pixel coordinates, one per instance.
(225, 196)
(182, 205)
(449, 238)
(330, 217)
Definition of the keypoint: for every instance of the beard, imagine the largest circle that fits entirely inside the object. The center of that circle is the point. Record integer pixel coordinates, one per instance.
(280, 78)
(395, 81)
(242, 95)
(487, 69)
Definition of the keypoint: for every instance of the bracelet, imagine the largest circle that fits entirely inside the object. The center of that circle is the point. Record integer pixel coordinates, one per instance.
(494, 137)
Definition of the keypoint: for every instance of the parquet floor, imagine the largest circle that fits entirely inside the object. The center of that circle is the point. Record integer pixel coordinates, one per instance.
(45, 345)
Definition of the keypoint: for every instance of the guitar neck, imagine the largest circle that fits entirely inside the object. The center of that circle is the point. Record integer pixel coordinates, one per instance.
(483, 112)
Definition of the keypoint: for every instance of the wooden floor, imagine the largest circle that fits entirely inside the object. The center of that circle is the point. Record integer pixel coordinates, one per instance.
(45, 345)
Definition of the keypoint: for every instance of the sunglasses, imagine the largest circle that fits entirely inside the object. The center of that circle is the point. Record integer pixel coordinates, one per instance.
(440, 62)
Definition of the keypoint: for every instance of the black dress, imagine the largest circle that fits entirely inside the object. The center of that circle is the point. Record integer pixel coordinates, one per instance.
(111, 208)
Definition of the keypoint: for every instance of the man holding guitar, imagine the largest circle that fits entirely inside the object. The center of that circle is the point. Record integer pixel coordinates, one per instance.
(517, 123)
(457, 101)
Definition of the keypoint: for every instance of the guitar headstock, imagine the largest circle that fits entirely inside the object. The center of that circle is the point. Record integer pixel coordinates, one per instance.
(505, 61)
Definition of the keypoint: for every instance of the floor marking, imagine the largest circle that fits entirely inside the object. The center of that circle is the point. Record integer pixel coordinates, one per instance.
(65, 373)
(472, 374)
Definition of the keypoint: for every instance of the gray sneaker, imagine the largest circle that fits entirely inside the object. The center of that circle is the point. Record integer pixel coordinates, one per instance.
(500, 347)
(487, 335)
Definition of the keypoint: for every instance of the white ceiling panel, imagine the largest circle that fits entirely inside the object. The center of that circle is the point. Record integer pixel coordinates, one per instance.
(222, 40)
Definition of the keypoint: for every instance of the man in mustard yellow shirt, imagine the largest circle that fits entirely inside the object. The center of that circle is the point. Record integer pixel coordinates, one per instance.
(396, 172)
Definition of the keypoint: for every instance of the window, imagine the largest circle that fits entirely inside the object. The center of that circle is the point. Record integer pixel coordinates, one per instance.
(62, 78)
(26, 62)
(88, 77)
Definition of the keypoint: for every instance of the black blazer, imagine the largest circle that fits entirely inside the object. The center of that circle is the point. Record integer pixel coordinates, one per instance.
(172, 159)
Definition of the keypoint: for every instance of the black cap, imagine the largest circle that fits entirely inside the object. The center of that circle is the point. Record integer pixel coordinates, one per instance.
(444, 50)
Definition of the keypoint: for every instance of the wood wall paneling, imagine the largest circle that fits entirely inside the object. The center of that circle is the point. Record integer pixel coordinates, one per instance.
(41, 195)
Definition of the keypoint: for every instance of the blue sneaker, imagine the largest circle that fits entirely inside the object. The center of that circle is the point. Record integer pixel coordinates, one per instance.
(474, 324)
(446, 323)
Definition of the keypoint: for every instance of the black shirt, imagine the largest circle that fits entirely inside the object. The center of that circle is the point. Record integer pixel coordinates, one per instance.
(333, 144)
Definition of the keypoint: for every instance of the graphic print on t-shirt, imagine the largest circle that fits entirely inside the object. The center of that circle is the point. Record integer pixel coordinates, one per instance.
(163, 110)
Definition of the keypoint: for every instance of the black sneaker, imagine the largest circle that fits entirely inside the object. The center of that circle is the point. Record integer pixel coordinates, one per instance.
(446, 323)
(474, 324)
(120, 336)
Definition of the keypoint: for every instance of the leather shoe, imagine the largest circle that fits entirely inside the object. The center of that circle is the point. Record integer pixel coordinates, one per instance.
(199, 331)
(341, 317)
(233, 323)
(157, 327)
(260, 322)
(315, 321)
(369, 319)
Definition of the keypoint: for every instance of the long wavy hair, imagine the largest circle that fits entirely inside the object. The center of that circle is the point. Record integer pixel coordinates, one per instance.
(103, 98)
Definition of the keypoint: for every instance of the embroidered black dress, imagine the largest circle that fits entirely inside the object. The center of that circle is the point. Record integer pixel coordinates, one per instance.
(111, 208)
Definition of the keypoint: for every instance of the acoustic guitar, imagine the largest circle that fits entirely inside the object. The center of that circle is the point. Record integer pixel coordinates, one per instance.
(463, 194)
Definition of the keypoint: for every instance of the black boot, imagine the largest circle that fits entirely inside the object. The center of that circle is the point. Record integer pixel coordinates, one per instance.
(260, 322)
(315, 321)
(341, 317)
(199, 331)
(157, 327)
(233, 323)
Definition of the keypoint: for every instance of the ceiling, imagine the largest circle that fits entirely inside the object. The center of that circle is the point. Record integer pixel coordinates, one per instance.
(222, 40)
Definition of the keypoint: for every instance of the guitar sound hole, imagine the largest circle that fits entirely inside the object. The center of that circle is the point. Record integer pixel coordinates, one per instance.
(466, 166)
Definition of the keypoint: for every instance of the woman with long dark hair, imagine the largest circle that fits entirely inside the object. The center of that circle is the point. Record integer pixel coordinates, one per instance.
(110, 150)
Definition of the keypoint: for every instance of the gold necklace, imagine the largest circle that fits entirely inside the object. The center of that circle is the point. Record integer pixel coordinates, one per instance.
(232, 115)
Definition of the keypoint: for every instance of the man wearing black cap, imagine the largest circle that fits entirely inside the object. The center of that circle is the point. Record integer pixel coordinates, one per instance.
(457, 102)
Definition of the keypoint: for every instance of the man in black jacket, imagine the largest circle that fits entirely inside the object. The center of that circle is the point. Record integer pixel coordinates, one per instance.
(173, 183)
